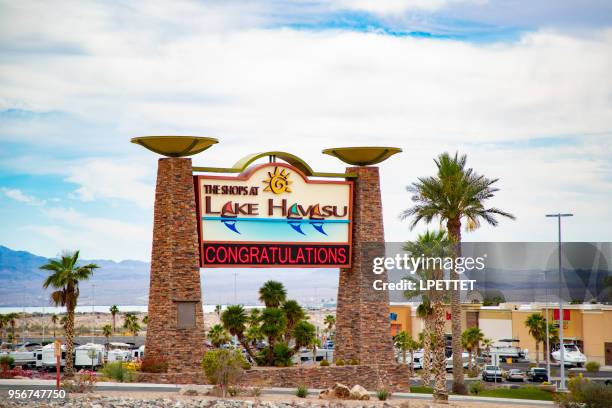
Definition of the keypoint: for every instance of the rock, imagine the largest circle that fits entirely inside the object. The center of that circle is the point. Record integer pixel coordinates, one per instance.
(359, 393)
(341, 391)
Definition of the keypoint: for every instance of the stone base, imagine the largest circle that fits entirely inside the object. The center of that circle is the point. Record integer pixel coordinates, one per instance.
(393, 377)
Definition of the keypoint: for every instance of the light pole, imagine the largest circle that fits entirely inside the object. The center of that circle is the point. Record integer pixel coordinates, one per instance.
(561, 346)
(547, 335)
(93, 313)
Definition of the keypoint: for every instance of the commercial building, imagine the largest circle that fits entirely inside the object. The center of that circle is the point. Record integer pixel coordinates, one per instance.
(588, 325)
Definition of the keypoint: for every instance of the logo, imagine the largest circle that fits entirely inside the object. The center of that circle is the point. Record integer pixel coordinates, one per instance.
(278, 181)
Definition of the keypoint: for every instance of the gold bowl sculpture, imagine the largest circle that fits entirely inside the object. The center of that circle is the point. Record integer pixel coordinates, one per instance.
(175, 146)
(362, 156)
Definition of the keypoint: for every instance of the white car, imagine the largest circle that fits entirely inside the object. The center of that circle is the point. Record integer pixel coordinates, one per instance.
(572, 355)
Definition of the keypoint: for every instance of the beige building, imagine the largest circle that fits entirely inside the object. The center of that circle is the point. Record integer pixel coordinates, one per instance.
(590, 326)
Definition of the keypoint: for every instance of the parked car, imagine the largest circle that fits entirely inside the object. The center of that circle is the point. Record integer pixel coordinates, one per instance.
(537, 374)
(515, 375)
(491, 373)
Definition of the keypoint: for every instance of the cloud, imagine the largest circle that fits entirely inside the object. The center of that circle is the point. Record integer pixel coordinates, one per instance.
(20, 196)
(386, 7)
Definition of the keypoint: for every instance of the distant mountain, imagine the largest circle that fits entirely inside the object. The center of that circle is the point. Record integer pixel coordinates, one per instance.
(125, 282)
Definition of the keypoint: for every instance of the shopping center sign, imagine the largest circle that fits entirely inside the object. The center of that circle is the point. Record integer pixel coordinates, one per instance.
(272, 215)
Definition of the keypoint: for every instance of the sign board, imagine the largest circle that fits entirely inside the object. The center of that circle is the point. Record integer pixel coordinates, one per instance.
(272, 215)
(58, 348)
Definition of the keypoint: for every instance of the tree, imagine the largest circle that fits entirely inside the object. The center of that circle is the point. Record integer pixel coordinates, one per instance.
(223, 367)
(130, 323)
(330, 322)
(470, 340)
(537, 329)
(11, 319)
(3, 324)
(54, 320)
(218, 310)
(234, 320)
(487, 343)
(305, 335)
(65, 276)
(405, 343)
(272, 294)
(107, 331)
(145, 320)
(455, 194)
(114, 309)
(218, 336)
(294, 314)
(273, 324)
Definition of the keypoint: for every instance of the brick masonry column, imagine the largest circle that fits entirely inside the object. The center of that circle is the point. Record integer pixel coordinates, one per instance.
(175, 270)
(363, 329)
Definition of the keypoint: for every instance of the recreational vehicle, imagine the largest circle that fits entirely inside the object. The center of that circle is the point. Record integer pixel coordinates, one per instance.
(48, 356)
(89, 355)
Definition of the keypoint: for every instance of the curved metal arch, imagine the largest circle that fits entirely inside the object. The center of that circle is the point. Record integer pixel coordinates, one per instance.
(292, 159)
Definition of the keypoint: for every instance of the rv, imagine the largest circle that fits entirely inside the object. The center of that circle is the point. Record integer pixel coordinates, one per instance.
(23, 357)
(504, 350)
(118, 352)
(138, 354)
(48, 356)
(89, 355)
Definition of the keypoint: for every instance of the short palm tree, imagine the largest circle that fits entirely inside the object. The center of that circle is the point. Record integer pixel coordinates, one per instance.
(330, 322)
(107, 331)
(486, 344)
(218, 310)
(3, 324)
(454, 195)
(294, 314)
(234, 320)
(273, 324)
(114, 309)
(218, 335)
(11, 319)
(537, 329)
(130, 323)
(272, 294)
(66, 274)
(305, 335)
(54, 320)
(471, 339)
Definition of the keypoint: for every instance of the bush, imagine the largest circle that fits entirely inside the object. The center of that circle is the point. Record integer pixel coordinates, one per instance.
(81, 383)
(150, 365)
(340, 362)
(586, 394)
(324, 363)
(282, 354)
(353, 361)
(118, 371)
(476, 387)
(592, 366)
(473, 373)
(6, 361)
(223, 367)
(383, 394)
(301, 391)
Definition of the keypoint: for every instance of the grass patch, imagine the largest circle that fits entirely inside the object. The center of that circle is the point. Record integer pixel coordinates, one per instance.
(420, 389)
(532, 393)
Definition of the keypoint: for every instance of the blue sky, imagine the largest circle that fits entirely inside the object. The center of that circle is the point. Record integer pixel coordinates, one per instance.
(522, 87)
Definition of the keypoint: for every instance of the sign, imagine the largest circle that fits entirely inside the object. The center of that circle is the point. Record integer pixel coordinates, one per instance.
(566, 314)
(272, 215)
(58, 348)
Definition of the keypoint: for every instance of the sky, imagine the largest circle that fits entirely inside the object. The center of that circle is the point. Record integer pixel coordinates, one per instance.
(523, 88)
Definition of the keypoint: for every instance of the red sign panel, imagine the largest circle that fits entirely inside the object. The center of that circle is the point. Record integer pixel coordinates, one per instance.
(566, 314)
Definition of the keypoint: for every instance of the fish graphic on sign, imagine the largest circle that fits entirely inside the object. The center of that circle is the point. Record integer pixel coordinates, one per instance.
(229, 217)
(317, 220)
(294, 219)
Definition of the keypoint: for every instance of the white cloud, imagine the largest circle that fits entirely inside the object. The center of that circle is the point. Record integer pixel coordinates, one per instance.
(386, 7)
(20, 196)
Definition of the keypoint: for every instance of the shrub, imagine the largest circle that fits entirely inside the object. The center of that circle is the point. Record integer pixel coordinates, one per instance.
(81, 383)
(340, 362)
(282, 355)
(383, 394)
(6, 361)
(118, 371)
(223, 367)
(592, 366)
(324, 363)
(584, 393)
(150, 365)
(353, 361)
(476, 387)
(301, 391)
(473, 373)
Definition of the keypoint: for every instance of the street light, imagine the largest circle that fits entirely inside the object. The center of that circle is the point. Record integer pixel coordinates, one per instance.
(561, 347)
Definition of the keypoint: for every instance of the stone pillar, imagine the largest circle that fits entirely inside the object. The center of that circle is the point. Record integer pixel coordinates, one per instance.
(175, 271)
(363, 328)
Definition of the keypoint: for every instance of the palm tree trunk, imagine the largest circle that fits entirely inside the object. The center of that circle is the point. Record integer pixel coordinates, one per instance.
(69, 369)
(470, 365)
(438, 363)
(13, 331)
(246, 346)
(454, 231)
(537, 351)
(412, 363)
(426, 363)
(114, 327)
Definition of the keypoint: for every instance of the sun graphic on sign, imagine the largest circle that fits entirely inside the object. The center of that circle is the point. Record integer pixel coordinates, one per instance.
(278, 181)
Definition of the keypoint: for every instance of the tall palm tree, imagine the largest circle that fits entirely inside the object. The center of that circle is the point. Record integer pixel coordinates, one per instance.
(218, 310)
(454, 195)
(537, 329)
(130, 323)
(294, 314)
(3, 324)
(273, 323)
(234, 320)
(114, 309)
(305, 335)
(107, 331)
(11, 319)
(470, 340)
(272, 293)
(65, 277)
(486, 344)
(54, 320)
(217, 335)
(330, 322)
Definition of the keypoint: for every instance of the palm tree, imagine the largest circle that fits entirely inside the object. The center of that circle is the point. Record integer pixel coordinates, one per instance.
(218, 310)
(3, 324)
(305, 335)
(471, 339)
(400, 341)
(65, 277)
(234, 320)
(537, 329)
(272, 294)
(273, 324)
(330, 322)
(130, 323)
(145, 320)
(107, 331)
(487, 343)
(54, 320)
(454, 194)
(294, 314)
(11, 319)
(114, 309)
(218, 336)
